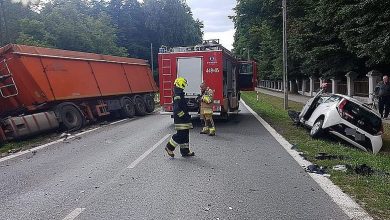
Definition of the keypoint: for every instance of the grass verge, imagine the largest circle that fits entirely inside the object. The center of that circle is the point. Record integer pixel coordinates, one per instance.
(372, 192)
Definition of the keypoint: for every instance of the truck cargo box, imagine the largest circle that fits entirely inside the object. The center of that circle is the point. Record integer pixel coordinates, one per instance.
(30, 76)
(71, 87)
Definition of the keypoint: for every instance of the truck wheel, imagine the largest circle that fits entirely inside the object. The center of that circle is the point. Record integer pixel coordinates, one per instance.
(140, 108)
(149, 103)
(71, 117)
(127, 110)
(317, 130)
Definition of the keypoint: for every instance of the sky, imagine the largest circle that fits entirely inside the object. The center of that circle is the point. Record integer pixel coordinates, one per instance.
(214, 14)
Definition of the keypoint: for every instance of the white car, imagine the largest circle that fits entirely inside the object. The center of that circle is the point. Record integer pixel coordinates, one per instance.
(345, 117)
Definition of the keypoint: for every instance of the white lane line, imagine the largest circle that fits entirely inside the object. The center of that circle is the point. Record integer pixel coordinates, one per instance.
(116, 122)
(77, 211)
(345, 202)
(74, 214)
(137, 161)
(54, 142)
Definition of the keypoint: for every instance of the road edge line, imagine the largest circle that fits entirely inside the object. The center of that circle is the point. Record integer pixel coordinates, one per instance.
(344, 201)
(20, 153)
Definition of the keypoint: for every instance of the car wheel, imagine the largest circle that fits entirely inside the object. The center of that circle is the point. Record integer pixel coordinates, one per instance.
(317, 130)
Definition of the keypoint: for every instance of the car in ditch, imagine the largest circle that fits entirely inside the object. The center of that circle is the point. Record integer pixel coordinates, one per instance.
(344, 117)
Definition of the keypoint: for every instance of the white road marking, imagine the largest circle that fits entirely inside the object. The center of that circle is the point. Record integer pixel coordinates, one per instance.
(74, 214)
(345, 202)
(137, 161)
(116, 122)
(103, 187)
(55, 142)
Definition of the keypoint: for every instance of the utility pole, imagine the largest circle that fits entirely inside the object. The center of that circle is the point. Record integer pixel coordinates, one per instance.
(248, 55)
(285, 73)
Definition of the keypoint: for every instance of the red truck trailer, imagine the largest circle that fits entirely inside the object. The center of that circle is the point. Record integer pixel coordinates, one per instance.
(210, 63)
(42, 89)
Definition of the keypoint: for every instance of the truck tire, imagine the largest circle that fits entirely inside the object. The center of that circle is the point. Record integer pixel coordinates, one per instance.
(128, 110)
(71, 116)
(140, 107)
(149, 103)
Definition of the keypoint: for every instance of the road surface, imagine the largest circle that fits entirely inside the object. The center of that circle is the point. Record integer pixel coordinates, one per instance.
(121, 172)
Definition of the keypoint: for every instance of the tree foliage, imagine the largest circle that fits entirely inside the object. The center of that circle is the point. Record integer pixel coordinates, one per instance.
(117, 27)
(325, 38)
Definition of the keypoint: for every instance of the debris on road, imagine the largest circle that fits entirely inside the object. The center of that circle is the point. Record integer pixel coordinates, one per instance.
(364, 170)
(326, 156)
(64, 135)
(314, 168)
(340, 167)
(294, 147)
(103, 123)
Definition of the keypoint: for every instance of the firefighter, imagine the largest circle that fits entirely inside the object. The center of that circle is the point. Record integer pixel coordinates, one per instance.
(206, 109)
(182, 121)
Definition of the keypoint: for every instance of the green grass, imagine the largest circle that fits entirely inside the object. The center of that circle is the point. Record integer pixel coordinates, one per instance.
(19, 145)
(371, 192)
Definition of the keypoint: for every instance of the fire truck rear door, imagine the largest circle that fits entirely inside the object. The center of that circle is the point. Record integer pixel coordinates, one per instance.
(191, 69)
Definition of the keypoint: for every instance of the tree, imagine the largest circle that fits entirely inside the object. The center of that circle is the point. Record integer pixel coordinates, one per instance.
(68, 25)
(10, 14)
(258, 28)
(364, 27)
(170, 23)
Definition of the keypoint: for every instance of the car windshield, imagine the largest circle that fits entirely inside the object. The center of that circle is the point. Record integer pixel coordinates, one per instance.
(333, 98)
(363, 118)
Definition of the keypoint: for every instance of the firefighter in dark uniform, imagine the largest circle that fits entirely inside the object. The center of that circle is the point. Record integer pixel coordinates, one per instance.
(182, 121)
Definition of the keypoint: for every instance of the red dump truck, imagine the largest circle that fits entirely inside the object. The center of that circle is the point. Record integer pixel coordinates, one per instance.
(43, 89)
(211, 63)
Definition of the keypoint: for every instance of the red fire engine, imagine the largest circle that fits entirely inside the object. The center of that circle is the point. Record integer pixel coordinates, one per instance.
(210, 63)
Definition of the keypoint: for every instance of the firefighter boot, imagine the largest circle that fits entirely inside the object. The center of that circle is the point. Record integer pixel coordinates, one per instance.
(205, 130)
(169, 149)
(185, 150)
(212, 131)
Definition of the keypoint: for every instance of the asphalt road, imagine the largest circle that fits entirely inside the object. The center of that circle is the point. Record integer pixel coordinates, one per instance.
(242, 173)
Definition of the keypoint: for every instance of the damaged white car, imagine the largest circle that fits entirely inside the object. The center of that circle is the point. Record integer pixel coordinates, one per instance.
(344, 117)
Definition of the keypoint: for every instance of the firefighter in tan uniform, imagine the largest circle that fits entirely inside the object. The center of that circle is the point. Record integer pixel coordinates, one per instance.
(182, 121)
(206, 109)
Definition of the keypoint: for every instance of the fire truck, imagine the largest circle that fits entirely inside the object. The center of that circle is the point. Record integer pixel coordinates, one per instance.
(208, 62)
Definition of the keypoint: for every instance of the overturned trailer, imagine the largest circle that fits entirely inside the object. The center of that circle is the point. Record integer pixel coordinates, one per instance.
(42, 89)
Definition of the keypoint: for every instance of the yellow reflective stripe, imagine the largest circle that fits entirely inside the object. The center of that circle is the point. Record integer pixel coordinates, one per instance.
(183, 126)
(181, 114)
(184, 146)
(173, 143)
(176, 98)
(207, 99)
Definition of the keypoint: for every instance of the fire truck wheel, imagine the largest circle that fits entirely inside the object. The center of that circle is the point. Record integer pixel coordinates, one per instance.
(71, 117)
(149, 103)
(140, 108)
